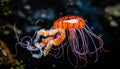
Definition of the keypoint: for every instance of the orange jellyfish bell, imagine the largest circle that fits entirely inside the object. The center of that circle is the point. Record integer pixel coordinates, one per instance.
(69, 22)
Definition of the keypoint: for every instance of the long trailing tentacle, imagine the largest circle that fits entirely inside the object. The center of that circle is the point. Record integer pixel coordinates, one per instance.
(21, 41)
(91, 34)
(72, 48)
(93, 38)
(59, 50)
(14, 28)
(26, 41)
(36, 23)
(82, 50)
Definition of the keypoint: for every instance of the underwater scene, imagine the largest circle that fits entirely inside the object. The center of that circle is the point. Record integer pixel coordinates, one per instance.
(59, 34)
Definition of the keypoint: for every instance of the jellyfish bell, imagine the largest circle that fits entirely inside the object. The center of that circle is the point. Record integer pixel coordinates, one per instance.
(69, 22)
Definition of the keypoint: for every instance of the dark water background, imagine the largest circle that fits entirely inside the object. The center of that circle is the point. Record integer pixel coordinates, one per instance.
(100, 16)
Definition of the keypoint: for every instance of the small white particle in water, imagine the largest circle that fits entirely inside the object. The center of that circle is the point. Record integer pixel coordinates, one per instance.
(100, 35)
(92, 28)
(53, 65)
(61, 13)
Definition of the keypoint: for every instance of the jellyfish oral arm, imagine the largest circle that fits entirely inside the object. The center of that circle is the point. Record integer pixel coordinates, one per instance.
(46, 33)
(56, 41)
(49, 39)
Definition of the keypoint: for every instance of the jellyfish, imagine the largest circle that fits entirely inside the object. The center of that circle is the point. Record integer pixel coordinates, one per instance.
(69, 33)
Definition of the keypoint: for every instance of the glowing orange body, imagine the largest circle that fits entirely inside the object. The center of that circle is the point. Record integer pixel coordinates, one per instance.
(69, 22)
